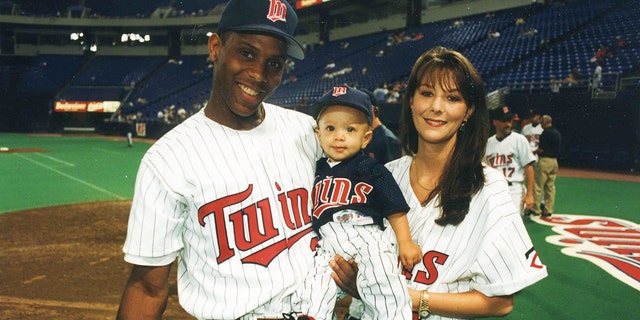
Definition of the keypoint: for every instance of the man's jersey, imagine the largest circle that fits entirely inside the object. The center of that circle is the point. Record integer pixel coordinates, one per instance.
(233, 206)
(510, 156)
(532, 133)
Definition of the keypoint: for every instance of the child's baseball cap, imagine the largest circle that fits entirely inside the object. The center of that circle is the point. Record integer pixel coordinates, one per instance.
(345, 96)
(272, 17)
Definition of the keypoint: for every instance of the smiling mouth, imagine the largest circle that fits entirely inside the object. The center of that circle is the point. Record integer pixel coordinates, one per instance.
(436, 122)
(248, 90)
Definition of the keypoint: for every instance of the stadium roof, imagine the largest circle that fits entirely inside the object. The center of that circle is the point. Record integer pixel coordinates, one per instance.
(111, 8)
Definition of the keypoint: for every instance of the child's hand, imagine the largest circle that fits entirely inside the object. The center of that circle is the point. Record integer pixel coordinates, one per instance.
(410, 254)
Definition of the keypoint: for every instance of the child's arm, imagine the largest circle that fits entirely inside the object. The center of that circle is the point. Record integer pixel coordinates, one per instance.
(410, 252)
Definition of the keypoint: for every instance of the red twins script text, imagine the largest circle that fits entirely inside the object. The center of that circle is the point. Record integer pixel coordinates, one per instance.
(253, 225)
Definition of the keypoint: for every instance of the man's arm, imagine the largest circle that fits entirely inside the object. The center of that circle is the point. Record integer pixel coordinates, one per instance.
(146, 293)
(529, 178)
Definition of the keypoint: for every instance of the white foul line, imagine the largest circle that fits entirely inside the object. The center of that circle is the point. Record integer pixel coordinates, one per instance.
(56, 159)
(73, 178)
(105, 150)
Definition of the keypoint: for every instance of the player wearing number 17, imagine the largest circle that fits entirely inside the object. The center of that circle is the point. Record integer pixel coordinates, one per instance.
(510, 153)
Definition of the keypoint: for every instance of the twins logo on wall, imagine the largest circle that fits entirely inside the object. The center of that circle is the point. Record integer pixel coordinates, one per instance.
(610, 243)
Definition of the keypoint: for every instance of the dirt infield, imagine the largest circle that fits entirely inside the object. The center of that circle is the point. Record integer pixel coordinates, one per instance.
(66, 262)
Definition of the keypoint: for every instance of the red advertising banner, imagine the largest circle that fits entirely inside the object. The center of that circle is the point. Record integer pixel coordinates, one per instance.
(86, 106)
(63, 106)
(307, 3)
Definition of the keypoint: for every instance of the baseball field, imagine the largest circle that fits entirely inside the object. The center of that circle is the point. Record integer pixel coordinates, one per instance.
(64, 202)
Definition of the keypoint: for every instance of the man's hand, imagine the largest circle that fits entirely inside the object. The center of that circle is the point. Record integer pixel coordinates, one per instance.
(344, 274)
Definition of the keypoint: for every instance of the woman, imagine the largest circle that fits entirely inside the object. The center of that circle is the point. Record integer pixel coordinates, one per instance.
(476, 250)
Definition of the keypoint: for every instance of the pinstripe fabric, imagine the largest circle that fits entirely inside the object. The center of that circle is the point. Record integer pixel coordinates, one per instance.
(234, 207)
(380, 282)
(490, 251)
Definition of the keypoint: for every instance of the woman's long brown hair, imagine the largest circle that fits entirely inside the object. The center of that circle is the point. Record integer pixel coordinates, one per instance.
(463, 176)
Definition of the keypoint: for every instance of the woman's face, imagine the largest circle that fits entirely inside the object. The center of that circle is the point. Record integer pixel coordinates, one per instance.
(438, 110)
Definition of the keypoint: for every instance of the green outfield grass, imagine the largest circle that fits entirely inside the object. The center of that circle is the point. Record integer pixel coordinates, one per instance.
(69, 169)
(76, 169)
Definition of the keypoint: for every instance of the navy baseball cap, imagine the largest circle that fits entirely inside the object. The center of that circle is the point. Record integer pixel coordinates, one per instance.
(273, 17)
(344, 96)
(503, 113)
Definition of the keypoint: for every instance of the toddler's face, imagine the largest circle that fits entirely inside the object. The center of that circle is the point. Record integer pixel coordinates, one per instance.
(342, 131)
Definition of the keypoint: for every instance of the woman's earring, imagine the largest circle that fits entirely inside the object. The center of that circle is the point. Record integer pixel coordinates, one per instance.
(461, 129)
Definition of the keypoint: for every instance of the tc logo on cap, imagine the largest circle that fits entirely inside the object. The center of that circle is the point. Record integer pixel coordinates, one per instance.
(338, 91)
(277, 11)
(505, 109)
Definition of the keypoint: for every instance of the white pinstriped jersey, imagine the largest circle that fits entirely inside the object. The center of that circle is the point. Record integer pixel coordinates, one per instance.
(234, 207)
(509, 156)
(489, 251)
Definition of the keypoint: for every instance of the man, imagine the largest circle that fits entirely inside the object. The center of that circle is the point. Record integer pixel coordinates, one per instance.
(227, 192)
(384, 145)
(547, 168)
(533, 130)
(509, 152)
(380, 92)
(596, 78)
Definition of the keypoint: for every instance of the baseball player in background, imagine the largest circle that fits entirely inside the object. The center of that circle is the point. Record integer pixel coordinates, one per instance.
(384, 145)
(227, 192)
(509, 152)
(476, 253)
(353, 195)
(533, 130)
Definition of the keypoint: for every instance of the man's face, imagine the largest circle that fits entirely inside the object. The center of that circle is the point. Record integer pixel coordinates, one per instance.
(503, 127)
(535, 120)
(247, 70)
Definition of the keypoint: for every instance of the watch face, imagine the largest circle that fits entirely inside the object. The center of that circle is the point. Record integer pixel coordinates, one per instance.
(424, 314)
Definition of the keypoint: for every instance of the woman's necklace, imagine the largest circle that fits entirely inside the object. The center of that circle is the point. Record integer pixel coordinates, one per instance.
(416, 178)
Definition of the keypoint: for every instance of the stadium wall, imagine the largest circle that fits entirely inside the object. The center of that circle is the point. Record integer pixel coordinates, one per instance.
(592, 129)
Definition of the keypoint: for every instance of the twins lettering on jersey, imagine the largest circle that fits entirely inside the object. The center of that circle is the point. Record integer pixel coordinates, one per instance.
(432, 259)
(333, 192)
(253, 225)
(503, 161)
